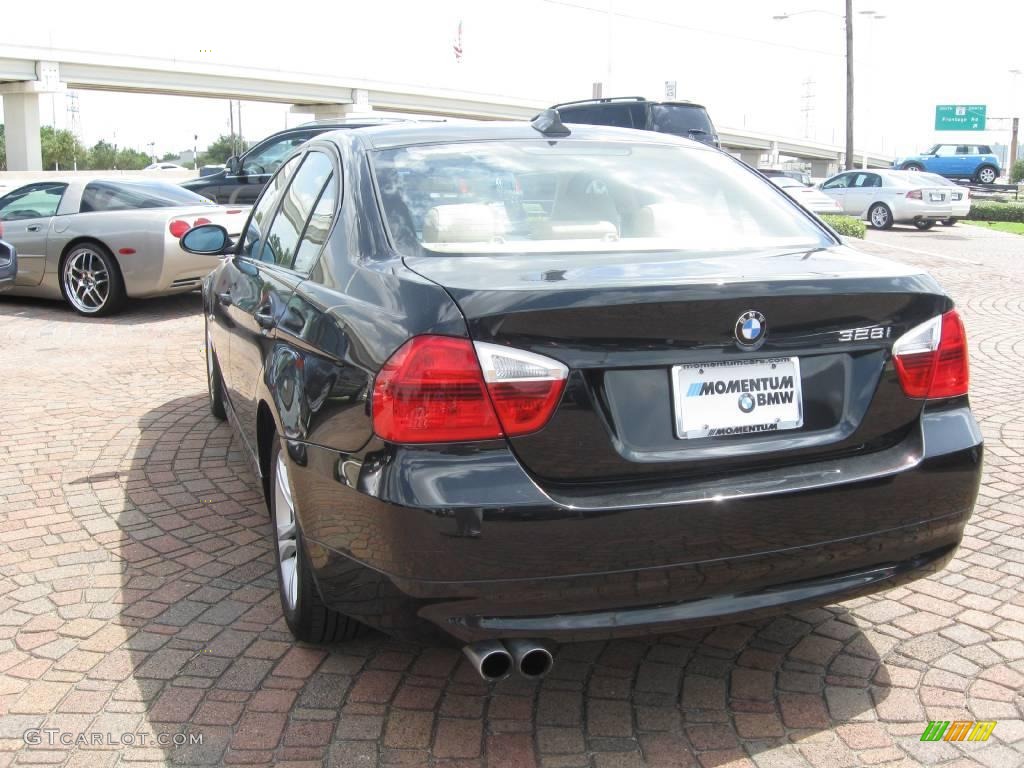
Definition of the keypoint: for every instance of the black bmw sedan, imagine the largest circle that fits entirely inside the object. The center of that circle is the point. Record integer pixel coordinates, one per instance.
(512, 383)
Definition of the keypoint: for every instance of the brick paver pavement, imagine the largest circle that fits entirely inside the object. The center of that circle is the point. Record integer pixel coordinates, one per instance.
(137, 595)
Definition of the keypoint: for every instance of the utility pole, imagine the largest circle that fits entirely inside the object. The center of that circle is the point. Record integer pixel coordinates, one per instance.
(849, 85)
(1013, 143)
(231, 118)
(806, 106)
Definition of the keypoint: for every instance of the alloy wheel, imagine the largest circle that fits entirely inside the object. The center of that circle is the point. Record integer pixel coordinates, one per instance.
(86, 281)
(879, 217)
(286, 533)
(987, 176)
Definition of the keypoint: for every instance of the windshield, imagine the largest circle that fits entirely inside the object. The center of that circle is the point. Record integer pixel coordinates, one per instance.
(581, 196)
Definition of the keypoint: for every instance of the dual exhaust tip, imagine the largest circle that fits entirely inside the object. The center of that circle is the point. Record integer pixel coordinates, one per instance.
(495, 660)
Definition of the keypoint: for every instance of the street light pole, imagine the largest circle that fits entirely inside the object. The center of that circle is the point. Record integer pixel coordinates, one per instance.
(848, 28)
(849, 85)
(1015, 123)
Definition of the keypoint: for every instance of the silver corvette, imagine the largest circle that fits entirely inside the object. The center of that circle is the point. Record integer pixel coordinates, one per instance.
(95, 242)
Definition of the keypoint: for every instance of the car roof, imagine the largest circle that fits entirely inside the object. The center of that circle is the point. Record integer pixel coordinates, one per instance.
(412, 134)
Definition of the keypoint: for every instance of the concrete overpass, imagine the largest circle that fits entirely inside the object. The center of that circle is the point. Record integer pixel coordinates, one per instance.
(27, 72)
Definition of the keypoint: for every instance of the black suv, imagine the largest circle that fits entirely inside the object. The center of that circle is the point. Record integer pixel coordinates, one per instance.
(243, 178)
(680, 118)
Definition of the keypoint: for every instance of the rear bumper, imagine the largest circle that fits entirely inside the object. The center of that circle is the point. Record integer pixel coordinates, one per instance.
(395, 542)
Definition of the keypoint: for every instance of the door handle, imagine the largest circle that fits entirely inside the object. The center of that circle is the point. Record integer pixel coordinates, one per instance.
(34, 227)
(224, 299)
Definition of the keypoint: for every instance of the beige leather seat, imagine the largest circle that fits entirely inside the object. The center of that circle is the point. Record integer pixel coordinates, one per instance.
(465, 223)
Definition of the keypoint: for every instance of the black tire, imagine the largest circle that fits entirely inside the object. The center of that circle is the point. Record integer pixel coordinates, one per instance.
(949, 222)
(876, 217)
(214, 381)
(986, 174)
(924, 224)
(310, 620)
(115, 293)
(913, 167)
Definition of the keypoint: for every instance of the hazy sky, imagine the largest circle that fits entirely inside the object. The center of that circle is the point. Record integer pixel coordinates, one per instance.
(748, 69)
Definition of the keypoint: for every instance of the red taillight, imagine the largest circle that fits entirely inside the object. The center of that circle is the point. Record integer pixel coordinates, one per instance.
(179, 227)
(1, 229)
(200, 221)
(931, 359)
(914, 194)
(433, 390)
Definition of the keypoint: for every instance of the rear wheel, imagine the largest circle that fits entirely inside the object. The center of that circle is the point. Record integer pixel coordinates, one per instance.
(986, 175)
(90, 280)
(305, 612)
(948, 222)
(880, 216)
(214, 384)
(913, 167)
(923, 224)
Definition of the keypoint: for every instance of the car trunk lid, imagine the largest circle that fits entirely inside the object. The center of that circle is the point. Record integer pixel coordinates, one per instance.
(626, 324)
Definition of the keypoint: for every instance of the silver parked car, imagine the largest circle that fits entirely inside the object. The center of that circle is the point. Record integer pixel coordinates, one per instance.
(8, 265)
(814, 200)
(960, 197)
(885, 198)
(94, 242)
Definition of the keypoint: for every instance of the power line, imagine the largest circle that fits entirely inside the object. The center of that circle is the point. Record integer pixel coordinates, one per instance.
(701, 30)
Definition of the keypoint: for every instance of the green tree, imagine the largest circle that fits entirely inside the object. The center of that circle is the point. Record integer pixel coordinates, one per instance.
(219, 151)
(61, 148)
(132, 159)
(102, 156)
(1016, 175)
(169, 157)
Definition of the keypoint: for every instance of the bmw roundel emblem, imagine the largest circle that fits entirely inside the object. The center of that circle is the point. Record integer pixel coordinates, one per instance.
(746, 402)
(751, 328)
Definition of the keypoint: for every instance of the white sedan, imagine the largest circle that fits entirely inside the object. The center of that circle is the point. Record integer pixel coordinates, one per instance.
(810, 198)
(885, 198)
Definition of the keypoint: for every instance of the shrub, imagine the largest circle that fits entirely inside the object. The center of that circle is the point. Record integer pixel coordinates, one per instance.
(1017, 172)
(845, 225)
(990, 210)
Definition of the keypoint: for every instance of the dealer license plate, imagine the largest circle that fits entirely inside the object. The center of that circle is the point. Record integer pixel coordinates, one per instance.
(937, 197)
(737, 398)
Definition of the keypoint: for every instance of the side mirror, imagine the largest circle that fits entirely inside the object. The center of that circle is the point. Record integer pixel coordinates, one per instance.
(207, 240)
(7, 252)
(234, 165)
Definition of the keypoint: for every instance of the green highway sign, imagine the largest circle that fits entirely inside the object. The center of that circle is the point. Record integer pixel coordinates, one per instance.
(960, 117)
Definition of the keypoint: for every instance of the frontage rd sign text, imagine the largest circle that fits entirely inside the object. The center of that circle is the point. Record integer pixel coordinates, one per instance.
(960, 117)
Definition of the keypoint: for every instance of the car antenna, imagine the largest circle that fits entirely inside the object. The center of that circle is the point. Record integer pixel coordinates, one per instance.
(549, 122)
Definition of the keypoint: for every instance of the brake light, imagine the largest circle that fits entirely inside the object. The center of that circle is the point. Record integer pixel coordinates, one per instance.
(178, 227)
(914, 194)
(1, 229)
(438, 389)
(931, 359)
(200, 221)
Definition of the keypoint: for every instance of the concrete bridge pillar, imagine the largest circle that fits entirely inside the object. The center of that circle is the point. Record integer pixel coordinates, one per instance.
(359, 107)
(751, 157)
(21, 116)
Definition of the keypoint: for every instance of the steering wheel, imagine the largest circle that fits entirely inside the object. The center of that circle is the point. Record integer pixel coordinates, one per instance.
(254, 168)
(25, 213)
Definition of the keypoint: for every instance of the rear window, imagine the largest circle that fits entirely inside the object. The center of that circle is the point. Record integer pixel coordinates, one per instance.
(111, 196)
(620, 115)
(680, 119)
(580, 196)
